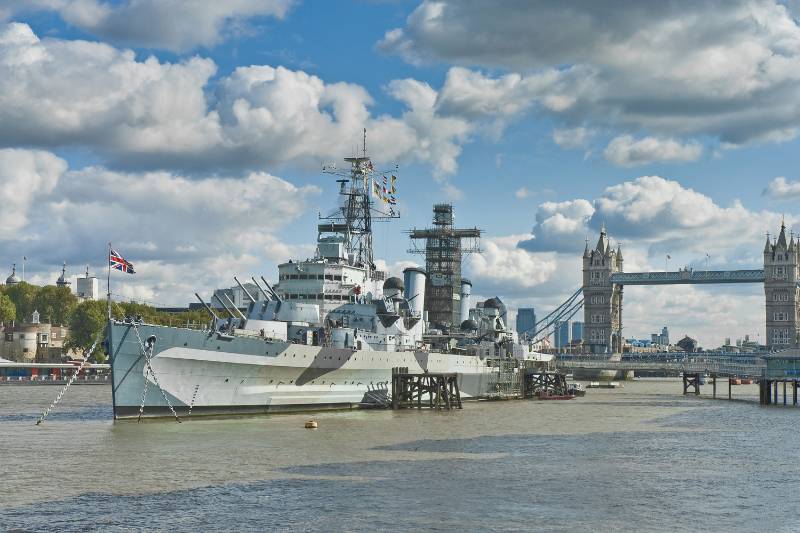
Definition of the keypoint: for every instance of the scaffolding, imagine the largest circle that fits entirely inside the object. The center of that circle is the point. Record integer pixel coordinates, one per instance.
(444, 248)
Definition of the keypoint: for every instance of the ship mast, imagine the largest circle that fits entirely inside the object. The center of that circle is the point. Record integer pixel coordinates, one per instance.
(352, 220)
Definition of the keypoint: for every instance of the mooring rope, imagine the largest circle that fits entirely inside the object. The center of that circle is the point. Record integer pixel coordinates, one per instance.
(72, 379)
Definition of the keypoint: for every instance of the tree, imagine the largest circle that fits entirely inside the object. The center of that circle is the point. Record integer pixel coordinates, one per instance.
(8, 312)
(23, 295)
(87, 324)
(56, 304)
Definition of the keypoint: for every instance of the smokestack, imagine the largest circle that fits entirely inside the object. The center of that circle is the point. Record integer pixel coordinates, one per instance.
(414, 281)
(466, 292)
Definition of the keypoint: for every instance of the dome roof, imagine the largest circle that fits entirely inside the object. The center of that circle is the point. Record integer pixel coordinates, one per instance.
(469, 325)
(492, 303)
(62, 279)
(393, 283)
(12, 279)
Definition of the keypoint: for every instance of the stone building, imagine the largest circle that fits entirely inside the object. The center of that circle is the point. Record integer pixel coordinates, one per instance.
(602, 300)
(33, 341)
(781, 291)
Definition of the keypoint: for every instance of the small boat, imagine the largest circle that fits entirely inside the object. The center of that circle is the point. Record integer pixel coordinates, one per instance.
(576, 389)
(312, 424)
(593, 385)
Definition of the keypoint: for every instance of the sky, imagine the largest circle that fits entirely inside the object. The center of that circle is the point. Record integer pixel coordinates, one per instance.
(192, 135)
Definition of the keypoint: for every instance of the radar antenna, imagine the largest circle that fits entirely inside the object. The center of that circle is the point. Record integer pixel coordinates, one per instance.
(351, 222)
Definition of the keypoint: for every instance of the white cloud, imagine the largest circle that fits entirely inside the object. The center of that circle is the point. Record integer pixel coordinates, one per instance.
(560, 226)
(523, 193)
(503, 265)
(149, 114)
(451, 192)
(782, 189)
(25, 176)
(626, 151)
(207, 241)
(177, 25)
(728, 70)
(572, 138)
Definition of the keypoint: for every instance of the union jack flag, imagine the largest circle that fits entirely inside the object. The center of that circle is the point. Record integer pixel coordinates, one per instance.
(120, 263)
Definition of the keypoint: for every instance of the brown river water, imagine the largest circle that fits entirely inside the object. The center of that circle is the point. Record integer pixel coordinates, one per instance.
(643, 458)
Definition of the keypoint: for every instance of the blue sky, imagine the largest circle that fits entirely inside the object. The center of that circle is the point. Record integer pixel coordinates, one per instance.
(675, 124)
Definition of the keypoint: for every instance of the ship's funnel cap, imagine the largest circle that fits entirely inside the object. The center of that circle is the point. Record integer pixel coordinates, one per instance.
(469, 325)
(393, 283)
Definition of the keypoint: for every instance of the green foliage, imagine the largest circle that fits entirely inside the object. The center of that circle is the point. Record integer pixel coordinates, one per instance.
(55, 304)
(151, 315)
(7, 310)
(23, 295)
(89, 320)
(87, 323)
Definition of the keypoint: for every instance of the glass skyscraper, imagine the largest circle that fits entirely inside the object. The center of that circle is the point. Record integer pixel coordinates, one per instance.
(526, 320)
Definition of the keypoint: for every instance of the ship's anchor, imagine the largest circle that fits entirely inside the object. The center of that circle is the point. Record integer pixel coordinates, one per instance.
(147, 353)
(74, 376)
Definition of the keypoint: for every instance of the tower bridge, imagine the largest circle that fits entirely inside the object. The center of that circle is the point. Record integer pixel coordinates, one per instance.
(604, 279)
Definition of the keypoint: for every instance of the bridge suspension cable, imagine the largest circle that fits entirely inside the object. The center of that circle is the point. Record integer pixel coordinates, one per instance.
(564, 311)
(565, 315)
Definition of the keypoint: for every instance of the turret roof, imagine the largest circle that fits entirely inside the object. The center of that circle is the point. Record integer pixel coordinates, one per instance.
(62, 279)
(12, 279)
(602, 242)
(782, 236)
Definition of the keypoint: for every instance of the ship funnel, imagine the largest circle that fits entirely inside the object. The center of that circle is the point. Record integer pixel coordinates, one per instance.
(466, 292)
(414, 278)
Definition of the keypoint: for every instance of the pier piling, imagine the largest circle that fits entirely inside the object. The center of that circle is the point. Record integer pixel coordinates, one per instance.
(691, 381)
(440, 389)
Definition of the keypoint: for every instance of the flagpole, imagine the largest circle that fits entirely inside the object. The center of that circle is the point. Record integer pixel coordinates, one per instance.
(108, 282)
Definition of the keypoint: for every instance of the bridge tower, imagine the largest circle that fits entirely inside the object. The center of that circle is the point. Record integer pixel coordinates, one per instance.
(602, 299)
(781, 291)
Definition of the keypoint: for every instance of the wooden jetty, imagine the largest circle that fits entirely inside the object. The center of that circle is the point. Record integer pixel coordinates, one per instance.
(537, 383)
(768, 391)
(431, 390)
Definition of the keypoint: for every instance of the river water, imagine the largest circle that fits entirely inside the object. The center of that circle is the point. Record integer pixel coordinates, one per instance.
(641, 458)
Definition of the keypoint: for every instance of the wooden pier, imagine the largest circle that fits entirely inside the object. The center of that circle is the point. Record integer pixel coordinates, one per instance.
(431, 390)
(768, 391)
(693, 381)
(537, 383)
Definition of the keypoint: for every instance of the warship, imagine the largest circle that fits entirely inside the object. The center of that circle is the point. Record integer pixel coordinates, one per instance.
(326, 336)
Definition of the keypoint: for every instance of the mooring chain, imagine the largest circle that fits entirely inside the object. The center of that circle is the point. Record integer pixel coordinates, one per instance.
(147, 353)
(72, 379)
(194, 395)
(144, 396)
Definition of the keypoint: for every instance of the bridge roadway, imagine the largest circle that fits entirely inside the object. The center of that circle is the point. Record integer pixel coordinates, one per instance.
(750, 366)
(685, 277)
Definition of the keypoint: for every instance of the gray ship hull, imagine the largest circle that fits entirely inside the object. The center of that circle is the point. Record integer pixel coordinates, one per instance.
(206, 373)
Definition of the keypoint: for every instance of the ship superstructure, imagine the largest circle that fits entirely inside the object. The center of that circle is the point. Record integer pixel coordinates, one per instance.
(327, 335)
